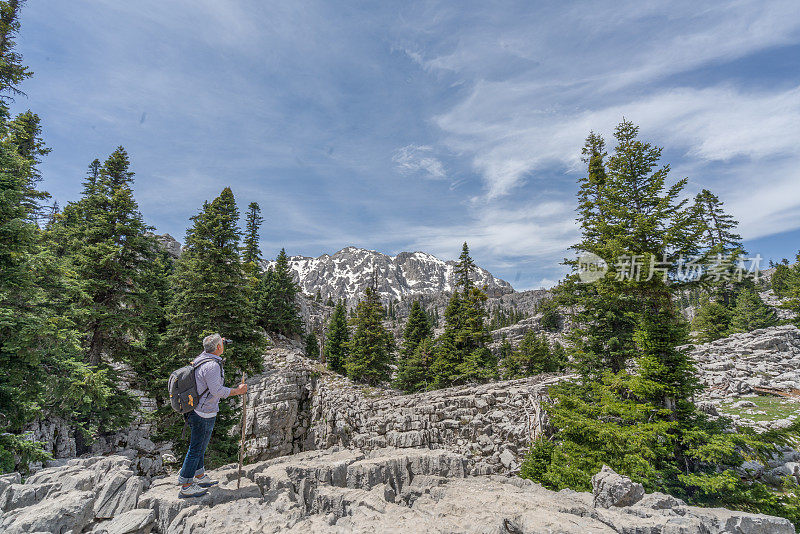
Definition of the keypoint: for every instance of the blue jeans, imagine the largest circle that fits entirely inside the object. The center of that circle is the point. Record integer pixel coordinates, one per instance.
(194, 464)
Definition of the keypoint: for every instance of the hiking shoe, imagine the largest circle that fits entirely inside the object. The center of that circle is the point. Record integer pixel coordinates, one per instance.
(205, 481)
(191, 490)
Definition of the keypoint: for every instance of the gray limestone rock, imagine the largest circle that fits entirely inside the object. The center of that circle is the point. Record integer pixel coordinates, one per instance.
(119, 493)
(612, 489)
(139, 521)
(7, 480)
(66, 513)
(162, 497)
(379, 490)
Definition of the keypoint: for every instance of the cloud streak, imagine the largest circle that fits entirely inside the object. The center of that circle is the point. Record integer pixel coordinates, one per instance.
(413, 159)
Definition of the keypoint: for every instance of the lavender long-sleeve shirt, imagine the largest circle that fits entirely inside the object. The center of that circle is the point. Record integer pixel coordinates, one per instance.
(210, 375)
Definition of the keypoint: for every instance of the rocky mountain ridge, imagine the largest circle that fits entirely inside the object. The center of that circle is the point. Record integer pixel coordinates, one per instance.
(346, 273)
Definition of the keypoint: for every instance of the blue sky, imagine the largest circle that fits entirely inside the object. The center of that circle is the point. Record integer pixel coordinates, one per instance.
(418, 125)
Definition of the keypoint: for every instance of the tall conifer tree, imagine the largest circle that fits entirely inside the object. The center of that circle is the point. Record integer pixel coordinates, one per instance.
(533, 356)
(23, 312)
(211, 293)
(462, 354)
(372, 344)
(711, 321)
(409, 365)
(43, 369)
(111, 250)
(603, 337)
(720, 242)
(415, 373)
(644, 424)
(277, 310)
(750, 313)
(312, 346)
(251, 254)
(336, 340)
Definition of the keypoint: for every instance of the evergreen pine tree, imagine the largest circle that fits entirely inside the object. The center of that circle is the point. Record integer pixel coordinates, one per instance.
(559, 356)
(711, 321)
(444, 370)
(251, 254)
(158, 283)
(43, 368)
(504, 355)
(750, 313)
(312, 346)
(111, 252)
(718, 227)
(533, 356)
(603, 337)
(12, 71)
(277, 309)
(780, 280)
(330, 302)
(551, 318)
(418, 328)
(792, 289)
(211, 293)
(23, 313)
(719, 241)
(336, 340)
(462, 354)
(414, 374)
(645, 424)
(371, 346)
(464, 269)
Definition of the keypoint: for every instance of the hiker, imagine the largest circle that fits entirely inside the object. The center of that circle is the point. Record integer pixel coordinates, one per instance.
(209, 377)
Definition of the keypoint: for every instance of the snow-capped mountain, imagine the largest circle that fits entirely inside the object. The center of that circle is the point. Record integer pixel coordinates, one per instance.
(348, 272)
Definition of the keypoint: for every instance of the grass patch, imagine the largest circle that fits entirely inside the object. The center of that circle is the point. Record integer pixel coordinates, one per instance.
(774, 408)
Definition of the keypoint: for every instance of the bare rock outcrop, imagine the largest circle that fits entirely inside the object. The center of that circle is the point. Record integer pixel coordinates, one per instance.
(297, 405)
(767, 358)
(353, 490)
(71, 497)
(612, 489)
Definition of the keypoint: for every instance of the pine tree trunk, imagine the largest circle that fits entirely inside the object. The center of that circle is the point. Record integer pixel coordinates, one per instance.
(95, 348)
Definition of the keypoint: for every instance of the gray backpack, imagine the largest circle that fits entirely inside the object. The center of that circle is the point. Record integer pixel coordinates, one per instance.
(183, 394)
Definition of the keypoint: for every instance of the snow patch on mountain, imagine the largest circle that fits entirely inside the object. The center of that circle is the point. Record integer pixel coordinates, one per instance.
(348, 272)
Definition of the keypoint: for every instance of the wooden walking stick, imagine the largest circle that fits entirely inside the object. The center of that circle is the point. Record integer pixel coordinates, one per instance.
(241, 439)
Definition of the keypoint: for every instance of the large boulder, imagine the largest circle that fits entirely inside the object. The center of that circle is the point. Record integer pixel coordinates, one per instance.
(612, 489)
(67, 513)
(7, 480)
(139, 521)
(120, 493)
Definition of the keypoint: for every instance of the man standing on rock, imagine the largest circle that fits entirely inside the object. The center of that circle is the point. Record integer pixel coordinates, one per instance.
(209, 377)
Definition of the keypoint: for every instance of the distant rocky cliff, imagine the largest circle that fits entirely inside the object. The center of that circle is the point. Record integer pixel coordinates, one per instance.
(348, 272)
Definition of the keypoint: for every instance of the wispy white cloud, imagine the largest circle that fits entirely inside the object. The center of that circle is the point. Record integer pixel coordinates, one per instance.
(412, 159)
(716, 123)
